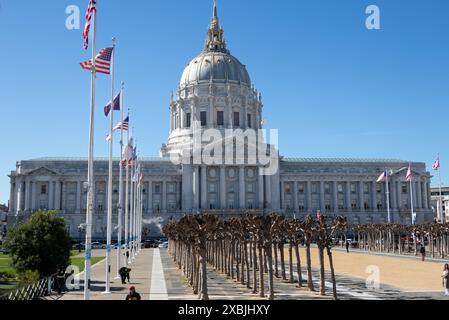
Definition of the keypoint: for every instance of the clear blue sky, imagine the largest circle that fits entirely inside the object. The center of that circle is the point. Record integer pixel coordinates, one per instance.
(332, 87)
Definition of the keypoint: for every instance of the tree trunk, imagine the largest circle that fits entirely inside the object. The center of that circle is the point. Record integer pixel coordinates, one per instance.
(331, 266)
(309, 268)
(290, 261)
(281, 249)
(261, 278)
(248, 280)
(254, 255)
(298, 264)
(276, 269)
(269, 254)
(322, 279)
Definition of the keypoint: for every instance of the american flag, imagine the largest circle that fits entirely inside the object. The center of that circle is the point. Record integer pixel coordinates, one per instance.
(122, 125)
(436, 164)
(382, 177)
(408, 177)
(90, 10)
(102, 61)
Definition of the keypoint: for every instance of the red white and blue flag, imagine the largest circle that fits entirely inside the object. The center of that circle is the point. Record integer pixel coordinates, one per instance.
(436, 164)
(382, 177)
(122, 125)
(115, 105)
(408, 177)
(90, 11)
(102, 61)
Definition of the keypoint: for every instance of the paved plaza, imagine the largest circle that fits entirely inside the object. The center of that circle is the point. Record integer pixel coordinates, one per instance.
(156, 277)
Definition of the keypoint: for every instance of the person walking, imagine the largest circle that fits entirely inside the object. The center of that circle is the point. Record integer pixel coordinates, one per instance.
(445, 277)
(423, 252)
(128, 271)
(133, 294)
(347, 246)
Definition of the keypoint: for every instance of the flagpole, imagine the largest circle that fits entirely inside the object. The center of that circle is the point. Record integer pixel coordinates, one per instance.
(110, 184)
(90, 167)
(127, 195)
(440, 204)
(120, 202)
(131, 205)
(388, 196)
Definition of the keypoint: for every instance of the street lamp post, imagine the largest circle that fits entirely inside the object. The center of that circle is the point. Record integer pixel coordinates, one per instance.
(81, 229)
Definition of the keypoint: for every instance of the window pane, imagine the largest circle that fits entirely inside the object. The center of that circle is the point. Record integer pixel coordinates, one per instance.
(203, 116)
(236, 119)
(220, 118)
(249, 120)
(188, 120)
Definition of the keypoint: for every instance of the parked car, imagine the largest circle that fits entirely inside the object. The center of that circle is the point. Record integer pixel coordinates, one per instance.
(164, 245)
(97, 245)
(150, 244)
(4, 250)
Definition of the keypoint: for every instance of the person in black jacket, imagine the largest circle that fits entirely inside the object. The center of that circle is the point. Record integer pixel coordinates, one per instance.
(133, 294)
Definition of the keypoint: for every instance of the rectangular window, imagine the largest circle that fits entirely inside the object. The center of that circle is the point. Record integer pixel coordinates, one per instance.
(301, 188)
(44, 189)
(157, 189)
(203, 118)
(366, 188)
(404, 188)
(236, 119)
(249, 120)
(188, 120)
(327, 188)
(220, 118)
(340, 188)
(353, 188)
(287, 188)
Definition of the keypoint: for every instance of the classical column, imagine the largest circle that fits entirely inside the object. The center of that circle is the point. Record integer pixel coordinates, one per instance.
(295, 196)
(399, 194)
(33, 196)
(64, 196)
(13, 194)
(150, 197)
(309, 195)
(16, 199)
(419, 196)
(269, 194)
(393, 194)
(242, 190)
(78, 196)
(374, 196)
(261, 190)
(58, 195)
(27, 194)
(424, 196)
(283, 206)
(203, 188)
(348, 196)
(196, 188)
(322, 205)
(164, 196)
(223, 187)
(51, 195)
(361, 197)
(335, 196)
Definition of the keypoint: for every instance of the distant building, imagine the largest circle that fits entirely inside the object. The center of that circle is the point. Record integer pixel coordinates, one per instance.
(435, 198)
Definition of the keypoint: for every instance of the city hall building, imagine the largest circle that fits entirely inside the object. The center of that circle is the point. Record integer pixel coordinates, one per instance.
(216, 92)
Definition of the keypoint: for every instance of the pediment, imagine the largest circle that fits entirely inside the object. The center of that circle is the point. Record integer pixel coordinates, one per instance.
(42, 171)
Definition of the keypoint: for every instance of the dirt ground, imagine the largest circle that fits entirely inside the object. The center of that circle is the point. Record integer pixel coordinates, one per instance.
(405, 274)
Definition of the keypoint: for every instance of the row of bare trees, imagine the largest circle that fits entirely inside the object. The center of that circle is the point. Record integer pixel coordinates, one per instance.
(401, 239)
(251, 249)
